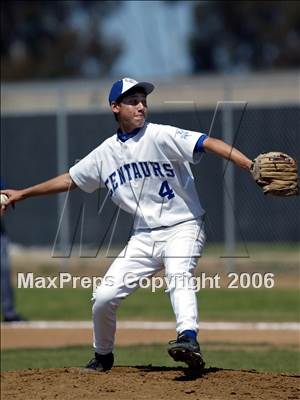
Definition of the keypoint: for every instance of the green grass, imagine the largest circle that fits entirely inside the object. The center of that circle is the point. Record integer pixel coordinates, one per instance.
(264, 359)
(255, 248)
(214, 304)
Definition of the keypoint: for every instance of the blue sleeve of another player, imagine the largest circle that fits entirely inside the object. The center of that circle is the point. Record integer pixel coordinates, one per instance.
(199, 145)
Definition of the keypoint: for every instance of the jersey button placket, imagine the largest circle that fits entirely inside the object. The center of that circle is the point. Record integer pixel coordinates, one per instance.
(120, 152)
(127, 159)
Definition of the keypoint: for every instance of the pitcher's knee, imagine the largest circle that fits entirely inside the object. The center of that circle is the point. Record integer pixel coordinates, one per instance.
(104, 299)
(180, 279)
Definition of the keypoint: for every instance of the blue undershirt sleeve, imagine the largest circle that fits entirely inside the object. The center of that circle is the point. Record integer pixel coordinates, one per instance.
(199, 145)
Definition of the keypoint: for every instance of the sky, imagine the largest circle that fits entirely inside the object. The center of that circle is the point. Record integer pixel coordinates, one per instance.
(154, 36)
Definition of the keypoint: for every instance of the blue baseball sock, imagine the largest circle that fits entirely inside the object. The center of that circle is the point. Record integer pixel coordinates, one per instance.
(190, 333)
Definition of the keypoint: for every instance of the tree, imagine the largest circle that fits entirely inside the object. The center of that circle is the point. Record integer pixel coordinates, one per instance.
(247, 35)
(47, 39)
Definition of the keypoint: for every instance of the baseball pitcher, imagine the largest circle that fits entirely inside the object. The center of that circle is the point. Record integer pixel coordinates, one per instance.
(146, 170)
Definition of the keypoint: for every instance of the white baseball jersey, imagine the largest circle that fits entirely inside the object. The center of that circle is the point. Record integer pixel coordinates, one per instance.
(148, 175)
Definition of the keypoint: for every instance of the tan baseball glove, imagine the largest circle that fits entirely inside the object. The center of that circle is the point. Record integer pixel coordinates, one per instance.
(276, 173)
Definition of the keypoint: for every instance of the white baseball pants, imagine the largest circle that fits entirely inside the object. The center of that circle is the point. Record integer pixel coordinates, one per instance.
(147, 252)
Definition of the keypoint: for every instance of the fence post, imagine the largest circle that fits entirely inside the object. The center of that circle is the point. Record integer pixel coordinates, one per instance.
(62, 166)
(228, 182)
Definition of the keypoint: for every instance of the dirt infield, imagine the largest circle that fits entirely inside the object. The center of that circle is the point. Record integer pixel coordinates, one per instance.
(143, 382)
(146, 382)
(28, 338)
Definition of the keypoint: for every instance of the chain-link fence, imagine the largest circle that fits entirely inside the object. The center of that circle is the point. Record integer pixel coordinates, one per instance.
(38, 143)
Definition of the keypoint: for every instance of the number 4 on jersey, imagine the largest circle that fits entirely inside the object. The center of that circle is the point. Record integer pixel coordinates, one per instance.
(165, 190)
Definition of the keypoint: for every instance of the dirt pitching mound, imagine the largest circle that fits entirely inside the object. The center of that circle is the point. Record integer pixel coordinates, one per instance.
(149, 382)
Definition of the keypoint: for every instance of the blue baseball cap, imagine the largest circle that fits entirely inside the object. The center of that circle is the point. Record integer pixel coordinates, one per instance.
(122, 86)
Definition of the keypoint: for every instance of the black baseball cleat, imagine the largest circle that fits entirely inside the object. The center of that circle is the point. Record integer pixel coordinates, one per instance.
(14, 318)
(101, 362)
(187, 349)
